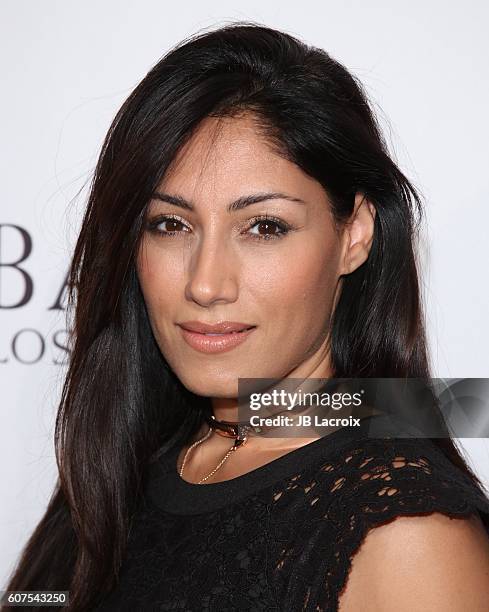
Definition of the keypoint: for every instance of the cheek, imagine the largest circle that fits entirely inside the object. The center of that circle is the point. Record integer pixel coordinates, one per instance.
(316, 274)
(161, 280)
(294, 288)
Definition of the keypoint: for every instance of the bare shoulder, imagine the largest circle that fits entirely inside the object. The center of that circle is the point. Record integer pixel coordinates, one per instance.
(426, 562)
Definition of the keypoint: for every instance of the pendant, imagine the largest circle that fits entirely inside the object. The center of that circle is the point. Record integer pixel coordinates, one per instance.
(241, 437)
(239, 442)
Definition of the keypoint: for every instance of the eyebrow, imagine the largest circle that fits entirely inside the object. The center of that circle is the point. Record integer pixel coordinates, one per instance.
(238, 204)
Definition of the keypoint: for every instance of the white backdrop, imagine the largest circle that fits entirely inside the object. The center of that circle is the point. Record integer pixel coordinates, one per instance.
(67, 66)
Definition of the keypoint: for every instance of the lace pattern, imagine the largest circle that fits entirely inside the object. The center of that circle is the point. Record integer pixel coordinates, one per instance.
(288, 547)
(373, 483)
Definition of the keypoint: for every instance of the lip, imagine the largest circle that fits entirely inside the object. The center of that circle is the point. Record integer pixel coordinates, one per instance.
(215, 344)
(220, 327)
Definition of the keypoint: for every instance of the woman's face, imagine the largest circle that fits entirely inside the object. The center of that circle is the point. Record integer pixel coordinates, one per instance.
(210, 264)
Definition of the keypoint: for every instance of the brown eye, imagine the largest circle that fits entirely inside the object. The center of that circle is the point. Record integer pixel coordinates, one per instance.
(173, 226)
(267, 229)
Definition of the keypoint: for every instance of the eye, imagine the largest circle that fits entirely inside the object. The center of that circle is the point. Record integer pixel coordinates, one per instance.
(267, 228)
(173, 225)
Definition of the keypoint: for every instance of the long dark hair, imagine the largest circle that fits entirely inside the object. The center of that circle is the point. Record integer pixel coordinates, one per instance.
(121, 403)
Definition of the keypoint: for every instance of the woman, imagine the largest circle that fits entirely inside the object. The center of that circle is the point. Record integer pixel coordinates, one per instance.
(244, 187)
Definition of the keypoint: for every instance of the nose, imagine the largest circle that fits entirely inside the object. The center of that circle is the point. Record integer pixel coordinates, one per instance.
(211, 273)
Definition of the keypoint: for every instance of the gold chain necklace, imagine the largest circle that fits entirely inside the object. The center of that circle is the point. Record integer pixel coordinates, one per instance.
(229, 429)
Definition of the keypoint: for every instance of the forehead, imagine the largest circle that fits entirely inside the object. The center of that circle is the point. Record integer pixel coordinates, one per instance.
(228, 157)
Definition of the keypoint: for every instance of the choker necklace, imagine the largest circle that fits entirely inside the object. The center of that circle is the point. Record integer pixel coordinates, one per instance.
(229, 429)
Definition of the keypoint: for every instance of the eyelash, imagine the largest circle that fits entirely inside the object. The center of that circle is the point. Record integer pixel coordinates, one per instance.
(283, 227)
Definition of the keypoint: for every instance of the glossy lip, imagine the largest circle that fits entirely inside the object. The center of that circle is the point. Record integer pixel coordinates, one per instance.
(221, 327)
(215, 344)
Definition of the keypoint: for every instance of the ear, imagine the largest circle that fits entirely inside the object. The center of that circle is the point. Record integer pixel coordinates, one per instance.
(358, 235)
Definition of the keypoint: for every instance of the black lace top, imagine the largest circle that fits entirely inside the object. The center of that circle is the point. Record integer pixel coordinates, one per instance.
(281, 537)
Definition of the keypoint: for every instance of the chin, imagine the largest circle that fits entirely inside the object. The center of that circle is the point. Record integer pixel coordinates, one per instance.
(217, 391)
(222, 386)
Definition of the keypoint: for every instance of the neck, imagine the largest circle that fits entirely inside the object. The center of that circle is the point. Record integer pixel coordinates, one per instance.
(225, 409)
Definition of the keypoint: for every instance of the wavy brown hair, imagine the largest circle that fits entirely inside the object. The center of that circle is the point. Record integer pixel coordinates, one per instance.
(121, 403)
